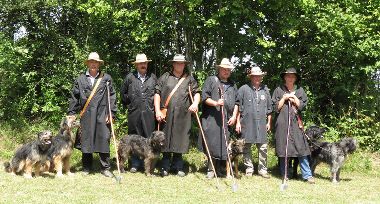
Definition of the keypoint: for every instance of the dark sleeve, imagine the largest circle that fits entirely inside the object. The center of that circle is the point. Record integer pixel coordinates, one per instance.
(112, 97)
(303, 99)
(194, 86)
(269, 101)
(276, 98)
(207, 89)
(124, 91)
(159, 84)
(239, 100)
(236, 95)
(74, 102)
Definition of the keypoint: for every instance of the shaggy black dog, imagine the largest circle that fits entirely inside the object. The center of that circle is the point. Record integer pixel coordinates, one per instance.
(33, 154)
(148, 149)
(62, 146)
(235, 148)
(334, 154)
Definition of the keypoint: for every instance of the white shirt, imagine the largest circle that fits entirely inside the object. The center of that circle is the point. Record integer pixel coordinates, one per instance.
(141, 77)
(92, 79)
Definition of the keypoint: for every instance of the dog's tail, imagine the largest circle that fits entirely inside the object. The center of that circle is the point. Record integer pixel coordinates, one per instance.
(7, 167)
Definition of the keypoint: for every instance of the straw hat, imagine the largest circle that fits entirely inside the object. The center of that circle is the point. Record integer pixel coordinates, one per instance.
(94, 56)
(179, 58)
(290, 71)
(141, 58)
(225, 63)
(256, 71)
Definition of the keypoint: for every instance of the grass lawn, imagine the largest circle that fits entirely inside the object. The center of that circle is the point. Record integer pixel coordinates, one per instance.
(359, 184)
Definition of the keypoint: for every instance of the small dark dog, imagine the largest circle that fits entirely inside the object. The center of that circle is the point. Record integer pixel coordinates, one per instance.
(33, 154)
(235, 148)
(334, 154)
(62, 147)
(148, 149)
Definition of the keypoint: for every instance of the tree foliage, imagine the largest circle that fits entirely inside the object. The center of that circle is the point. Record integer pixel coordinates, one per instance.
(335, 45)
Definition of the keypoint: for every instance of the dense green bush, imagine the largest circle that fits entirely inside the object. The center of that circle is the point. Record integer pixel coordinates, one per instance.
(334, 44)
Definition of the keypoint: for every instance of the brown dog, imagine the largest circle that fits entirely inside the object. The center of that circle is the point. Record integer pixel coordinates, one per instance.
(62, 146)
(235, 148)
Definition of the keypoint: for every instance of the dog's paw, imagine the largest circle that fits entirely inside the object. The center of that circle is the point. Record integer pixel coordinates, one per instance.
(28, 176)
(334, 181)
(229, 177)
(70, 173)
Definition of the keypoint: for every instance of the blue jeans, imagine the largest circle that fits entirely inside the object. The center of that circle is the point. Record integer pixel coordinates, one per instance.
(304, 164)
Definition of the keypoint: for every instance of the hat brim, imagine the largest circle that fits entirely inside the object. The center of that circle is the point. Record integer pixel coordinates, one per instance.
(186, 62)
(297, 75)
(136, 62)
(225, 66)
(86, 61)
(262, 74)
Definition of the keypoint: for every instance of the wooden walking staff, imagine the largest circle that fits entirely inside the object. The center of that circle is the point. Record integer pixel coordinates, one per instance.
(118, 179)
(204, 139)
(284, 185)
(234, 185)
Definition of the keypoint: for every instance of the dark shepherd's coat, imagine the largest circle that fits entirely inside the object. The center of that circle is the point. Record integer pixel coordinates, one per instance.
(254, 106)
(298, 145)
(95, 132)
(138, 98)
(178, 121)
(212, 116)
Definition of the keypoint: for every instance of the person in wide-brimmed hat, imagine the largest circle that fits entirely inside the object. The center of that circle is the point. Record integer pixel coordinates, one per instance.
(254, 120)
(137, 92)
(94, 117)
(291, 99)
(212, 102)
(177, 122)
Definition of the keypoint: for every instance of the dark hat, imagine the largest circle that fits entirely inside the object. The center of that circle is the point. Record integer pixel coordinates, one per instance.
(290, 71)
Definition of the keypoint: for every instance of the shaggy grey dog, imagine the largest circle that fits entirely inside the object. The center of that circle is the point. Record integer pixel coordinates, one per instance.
(147, 149)
(334, 154)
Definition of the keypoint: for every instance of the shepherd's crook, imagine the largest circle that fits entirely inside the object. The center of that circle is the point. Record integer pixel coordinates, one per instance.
(234, 185)
(284, 185)
(204, 139)
(118, 178)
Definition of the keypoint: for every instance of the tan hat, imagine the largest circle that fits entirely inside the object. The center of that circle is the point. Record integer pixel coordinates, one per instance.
(94, 56)
(179, 58)
(256, 71)
(225, 63)
(141, 58)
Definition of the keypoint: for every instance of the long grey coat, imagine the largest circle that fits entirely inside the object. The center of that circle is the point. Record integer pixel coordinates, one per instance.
(95, 132)
(298, 145)
(254, 106)
(138, 98)
(212, 116)
(178, 120)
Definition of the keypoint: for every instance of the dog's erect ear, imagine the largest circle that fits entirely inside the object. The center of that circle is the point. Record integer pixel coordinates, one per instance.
(40, 134)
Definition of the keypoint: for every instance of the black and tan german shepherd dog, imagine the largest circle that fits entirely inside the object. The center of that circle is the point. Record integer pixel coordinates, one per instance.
(235, 148)
(31, 155)
(62, 147)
